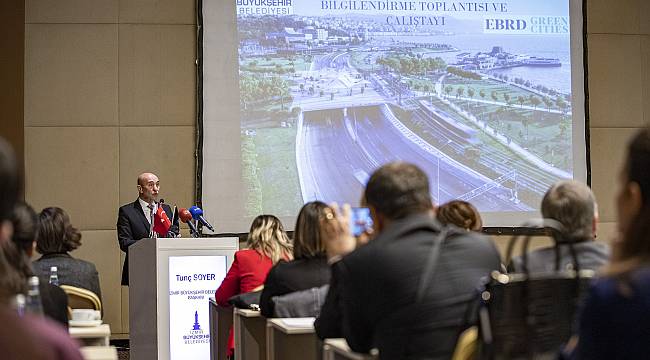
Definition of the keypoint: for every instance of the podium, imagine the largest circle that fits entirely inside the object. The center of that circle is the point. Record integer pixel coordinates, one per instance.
(171, 282)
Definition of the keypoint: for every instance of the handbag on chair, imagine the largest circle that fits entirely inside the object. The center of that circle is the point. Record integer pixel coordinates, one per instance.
(249, 300)
(524, 316)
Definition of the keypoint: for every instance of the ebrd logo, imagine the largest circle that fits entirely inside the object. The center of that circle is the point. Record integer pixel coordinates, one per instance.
(505, 24)
(526, 25)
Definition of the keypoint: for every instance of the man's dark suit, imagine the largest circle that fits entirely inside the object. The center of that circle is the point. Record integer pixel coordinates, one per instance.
(133, 226)
(373, 290)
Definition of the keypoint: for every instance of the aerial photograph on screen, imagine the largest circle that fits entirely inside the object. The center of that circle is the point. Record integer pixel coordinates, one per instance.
(478, 94)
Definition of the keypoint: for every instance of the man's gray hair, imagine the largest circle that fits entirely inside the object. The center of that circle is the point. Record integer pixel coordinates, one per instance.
(573, 204)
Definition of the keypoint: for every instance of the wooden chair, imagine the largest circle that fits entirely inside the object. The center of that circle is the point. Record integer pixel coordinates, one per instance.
(79, 298)
(466, 347)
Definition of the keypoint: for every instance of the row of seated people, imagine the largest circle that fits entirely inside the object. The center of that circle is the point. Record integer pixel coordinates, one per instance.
(277, 263)
(388, 293)
(26, 336)
(52, 235)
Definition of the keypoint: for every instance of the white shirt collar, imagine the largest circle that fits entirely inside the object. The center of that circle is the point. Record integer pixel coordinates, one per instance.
(145, 209)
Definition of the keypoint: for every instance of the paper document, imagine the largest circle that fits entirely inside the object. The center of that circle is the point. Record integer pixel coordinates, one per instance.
(299, 322)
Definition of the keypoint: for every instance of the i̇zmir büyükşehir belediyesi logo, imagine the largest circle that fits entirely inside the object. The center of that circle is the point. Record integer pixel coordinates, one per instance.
(196, 335)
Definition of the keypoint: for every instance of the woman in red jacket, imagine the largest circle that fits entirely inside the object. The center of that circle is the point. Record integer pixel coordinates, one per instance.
(267, 244)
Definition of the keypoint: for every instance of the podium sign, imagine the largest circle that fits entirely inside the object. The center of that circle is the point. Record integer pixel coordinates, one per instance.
(172, 281)
(192, 281)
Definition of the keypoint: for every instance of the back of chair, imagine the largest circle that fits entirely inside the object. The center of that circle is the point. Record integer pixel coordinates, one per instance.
(79, 298)
(530, 316)
(467, 344)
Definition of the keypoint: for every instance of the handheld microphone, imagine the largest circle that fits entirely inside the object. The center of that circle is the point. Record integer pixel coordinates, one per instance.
(197, 214)
(186, 217)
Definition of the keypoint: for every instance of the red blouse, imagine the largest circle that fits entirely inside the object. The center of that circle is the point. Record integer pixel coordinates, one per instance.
(247, 272)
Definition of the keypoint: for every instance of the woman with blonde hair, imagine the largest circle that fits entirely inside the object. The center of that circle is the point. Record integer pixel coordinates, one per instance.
(267, 243)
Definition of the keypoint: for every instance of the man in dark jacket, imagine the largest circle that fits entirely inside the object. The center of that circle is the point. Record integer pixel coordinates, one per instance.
(395, 293)
(134, 219)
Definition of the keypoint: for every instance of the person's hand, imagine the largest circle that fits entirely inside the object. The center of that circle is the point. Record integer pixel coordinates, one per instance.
(365, 236)
(335, 231)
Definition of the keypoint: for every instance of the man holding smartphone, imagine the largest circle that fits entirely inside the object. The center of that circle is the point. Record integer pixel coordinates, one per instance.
(407, 290)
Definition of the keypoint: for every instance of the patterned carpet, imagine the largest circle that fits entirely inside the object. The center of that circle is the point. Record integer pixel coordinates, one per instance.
(123, 354)
(122, 348)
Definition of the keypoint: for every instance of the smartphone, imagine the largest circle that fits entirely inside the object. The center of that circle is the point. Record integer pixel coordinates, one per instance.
(361, 220)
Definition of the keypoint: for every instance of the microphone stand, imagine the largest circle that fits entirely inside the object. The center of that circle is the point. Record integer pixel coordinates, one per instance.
(196, 226)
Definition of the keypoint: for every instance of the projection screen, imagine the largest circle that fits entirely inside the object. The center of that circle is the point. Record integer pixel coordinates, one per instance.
(303, 99)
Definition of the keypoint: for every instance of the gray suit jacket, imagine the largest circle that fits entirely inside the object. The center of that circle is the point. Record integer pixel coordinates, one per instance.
(591, 255)
(304, 303)
(71, 271)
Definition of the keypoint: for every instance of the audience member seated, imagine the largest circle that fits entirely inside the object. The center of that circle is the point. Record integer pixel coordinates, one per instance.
(56, 238)
(573, 205)
(28, 336)
(460, 213)
(55, 300)
(267, 243)
(615, 320)
(24, 337)
(407, 291)
(309, 267)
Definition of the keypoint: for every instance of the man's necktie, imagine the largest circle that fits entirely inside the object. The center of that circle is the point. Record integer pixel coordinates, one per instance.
(150, 206)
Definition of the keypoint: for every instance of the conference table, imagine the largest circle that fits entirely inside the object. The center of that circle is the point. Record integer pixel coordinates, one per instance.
(94, 341)
(338, 349)
(292, 339)
(91, 335)
(99, 353)
(250, 334)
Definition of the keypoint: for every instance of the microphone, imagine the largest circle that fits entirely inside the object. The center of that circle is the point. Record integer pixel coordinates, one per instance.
(197, 214)
(186, 217)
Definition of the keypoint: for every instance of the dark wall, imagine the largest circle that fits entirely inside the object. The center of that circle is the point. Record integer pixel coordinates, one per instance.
(12, 56)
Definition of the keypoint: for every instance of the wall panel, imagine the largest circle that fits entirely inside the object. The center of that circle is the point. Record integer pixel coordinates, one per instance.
(166, 151)
(614, 81)
(645, 76)
(70, 75)
(608, 148)
(99, 247)
(71, 11)
(74, 168)
(614, 17)
(158, 11)
(12, 62)
(157, 75)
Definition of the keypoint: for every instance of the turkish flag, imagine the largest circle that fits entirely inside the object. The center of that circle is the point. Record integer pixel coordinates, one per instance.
(161, 222)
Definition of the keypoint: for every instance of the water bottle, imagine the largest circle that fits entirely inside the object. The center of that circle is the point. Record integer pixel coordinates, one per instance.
(54, 276)
(18, 304)
(33, 304)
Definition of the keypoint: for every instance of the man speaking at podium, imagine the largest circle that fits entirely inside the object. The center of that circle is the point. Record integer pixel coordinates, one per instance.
(134, 220)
